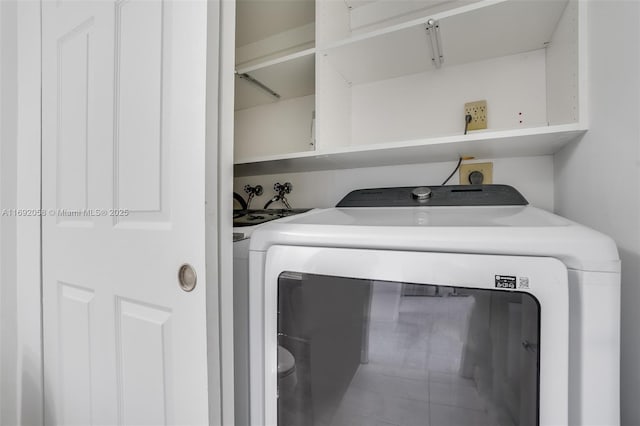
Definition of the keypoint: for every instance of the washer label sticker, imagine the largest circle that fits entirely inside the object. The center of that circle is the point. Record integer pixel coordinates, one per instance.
(505, 281)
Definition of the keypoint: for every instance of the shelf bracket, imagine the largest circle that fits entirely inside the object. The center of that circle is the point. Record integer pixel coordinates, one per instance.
(258, 83)
(433, 32)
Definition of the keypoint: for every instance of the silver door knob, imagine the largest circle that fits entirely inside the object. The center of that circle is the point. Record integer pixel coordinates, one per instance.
(187, 277)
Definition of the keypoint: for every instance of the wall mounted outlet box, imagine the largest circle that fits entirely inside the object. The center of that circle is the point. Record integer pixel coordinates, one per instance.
(478, 112)
(476, 173)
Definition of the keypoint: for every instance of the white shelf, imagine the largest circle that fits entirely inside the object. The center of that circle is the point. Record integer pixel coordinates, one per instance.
(491, 144)
(482, 30)
(290, 76)
(253, 66)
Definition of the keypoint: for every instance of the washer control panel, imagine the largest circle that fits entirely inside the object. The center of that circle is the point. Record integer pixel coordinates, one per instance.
(451, 195)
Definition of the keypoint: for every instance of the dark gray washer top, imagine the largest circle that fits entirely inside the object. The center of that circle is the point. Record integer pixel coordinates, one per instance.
(451, 195)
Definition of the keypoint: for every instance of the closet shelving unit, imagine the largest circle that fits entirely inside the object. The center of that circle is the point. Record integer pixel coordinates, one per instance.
(291, 75)
(378, 98)
(275, 77)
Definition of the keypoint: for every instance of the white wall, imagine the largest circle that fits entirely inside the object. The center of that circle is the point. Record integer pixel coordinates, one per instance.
(532, 176)
(416, 105)
(598, 179)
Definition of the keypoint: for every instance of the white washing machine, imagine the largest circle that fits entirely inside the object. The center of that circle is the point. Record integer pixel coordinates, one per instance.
(245, 223)
(455, 305)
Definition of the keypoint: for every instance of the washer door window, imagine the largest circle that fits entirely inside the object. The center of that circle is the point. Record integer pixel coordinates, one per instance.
(389, 337)
(362, 352)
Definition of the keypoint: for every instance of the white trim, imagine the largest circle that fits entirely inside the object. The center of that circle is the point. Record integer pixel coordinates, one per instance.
(219, 185)
(549, 285)
(211, 203)
(225, 205)
(30, 386)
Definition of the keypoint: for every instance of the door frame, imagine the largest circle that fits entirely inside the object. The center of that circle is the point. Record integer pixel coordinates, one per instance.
(219, 206)
(30, 389)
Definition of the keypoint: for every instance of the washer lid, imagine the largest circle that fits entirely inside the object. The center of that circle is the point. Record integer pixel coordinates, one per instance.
(503, 230)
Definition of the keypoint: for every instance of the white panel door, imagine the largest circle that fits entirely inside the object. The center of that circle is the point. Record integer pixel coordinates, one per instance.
(123, 111)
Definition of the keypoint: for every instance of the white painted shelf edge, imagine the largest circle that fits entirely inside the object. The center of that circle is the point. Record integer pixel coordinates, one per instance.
(527, 142)
(276, 61)
(397, 27)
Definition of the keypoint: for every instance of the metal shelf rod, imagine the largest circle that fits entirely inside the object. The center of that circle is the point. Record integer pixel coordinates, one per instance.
(258, 83)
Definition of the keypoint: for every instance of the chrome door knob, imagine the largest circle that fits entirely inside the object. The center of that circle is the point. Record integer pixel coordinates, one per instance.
(187, 277)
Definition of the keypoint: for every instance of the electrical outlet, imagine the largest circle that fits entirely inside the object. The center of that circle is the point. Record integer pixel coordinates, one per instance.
(478, 112)
(466, 171)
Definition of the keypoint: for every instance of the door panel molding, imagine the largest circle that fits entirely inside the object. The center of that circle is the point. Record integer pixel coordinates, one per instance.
(139, 108)
(144, 361)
